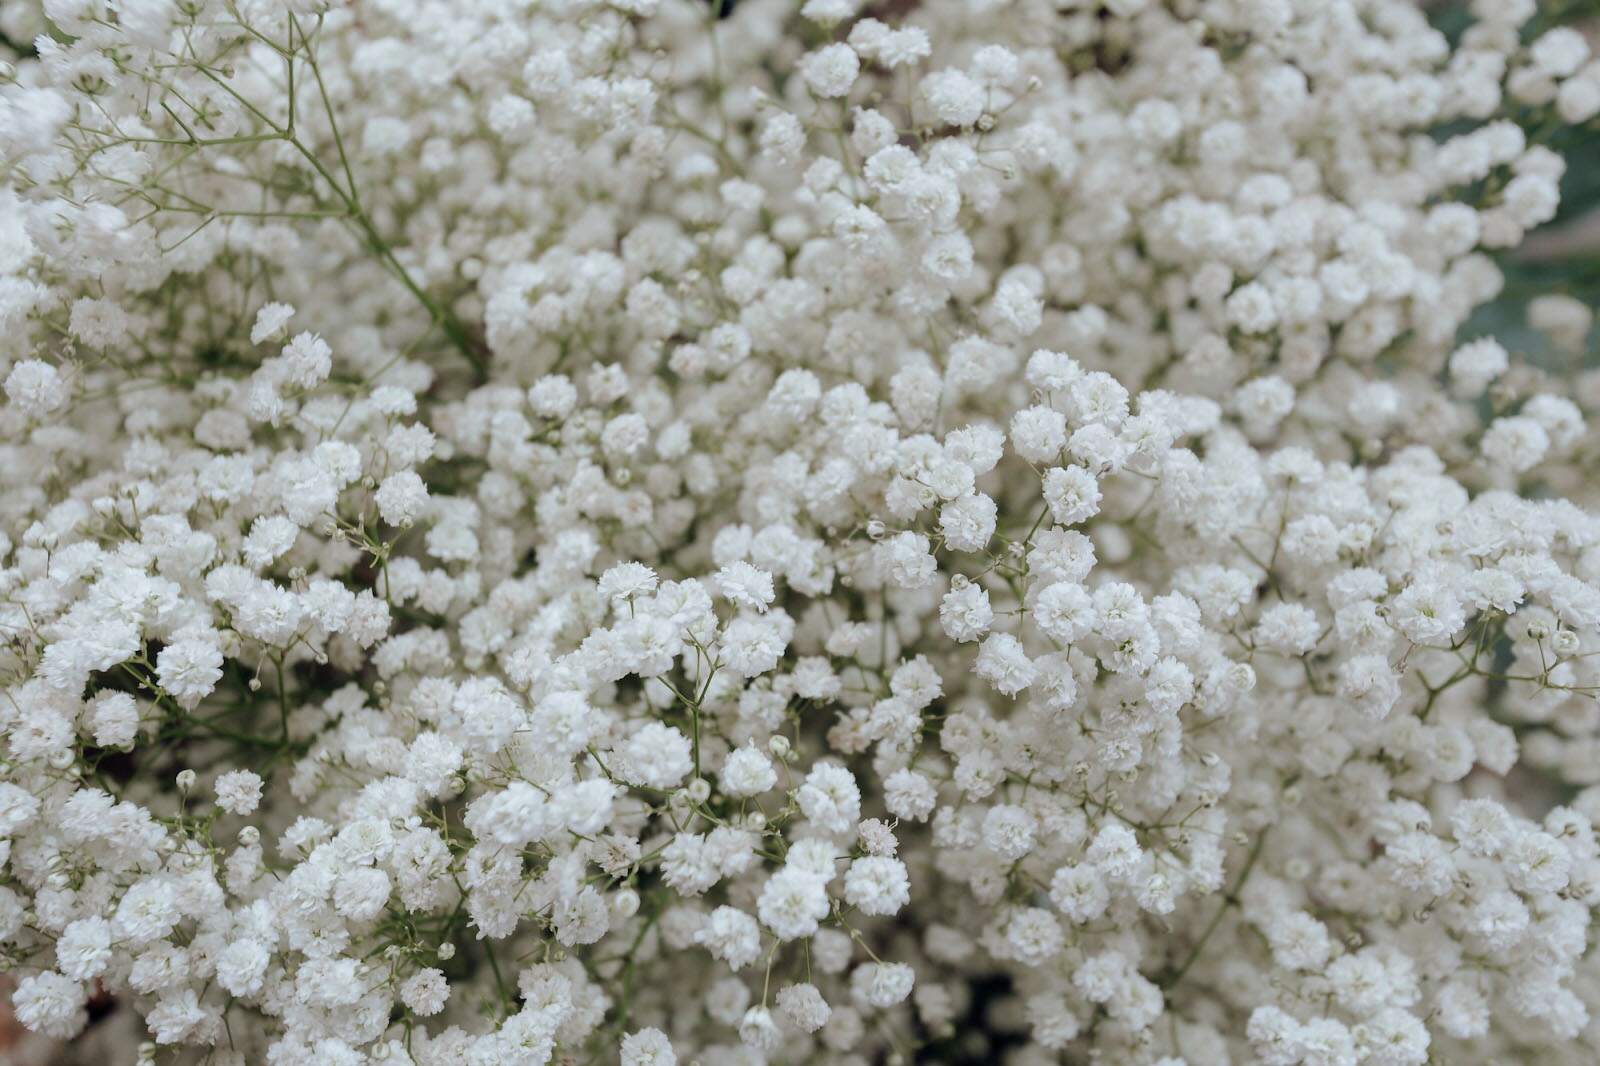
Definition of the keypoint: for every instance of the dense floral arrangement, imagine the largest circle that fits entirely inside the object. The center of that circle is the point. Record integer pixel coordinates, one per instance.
(654, 531)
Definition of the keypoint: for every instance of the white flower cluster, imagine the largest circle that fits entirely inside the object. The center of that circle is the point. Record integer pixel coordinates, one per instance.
(662, 531)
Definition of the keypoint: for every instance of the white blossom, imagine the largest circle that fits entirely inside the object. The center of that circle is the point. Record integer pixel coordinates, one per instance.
(831, 531)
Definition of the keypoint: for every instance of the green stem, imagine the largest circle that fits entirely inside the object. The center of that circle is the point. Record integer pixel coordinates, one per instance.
(1231, 899)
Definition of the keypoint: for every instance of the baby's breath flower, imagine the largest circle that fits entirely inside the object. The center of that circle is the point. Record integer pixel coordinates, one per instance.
(830, 531)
